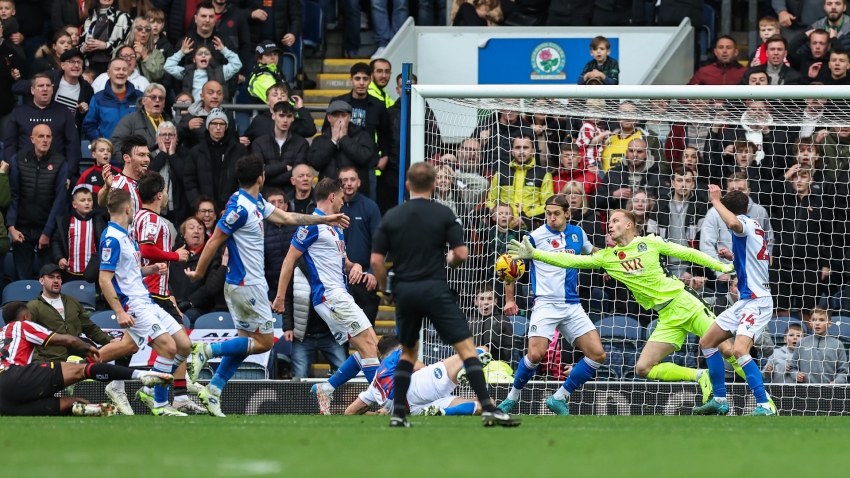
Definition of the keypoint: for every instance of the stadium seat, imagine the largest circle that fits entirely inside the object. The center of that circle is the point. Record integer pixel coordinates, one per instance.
(599, 301)
(278, 321)
(105, 320)
(85, 149)
(290, 66)
(214, 320)
(777, 326)
(23, 290)
(312, 23)
(621, 337)
(82, 291)
(520, 325)
(840, 329)
(707, 35)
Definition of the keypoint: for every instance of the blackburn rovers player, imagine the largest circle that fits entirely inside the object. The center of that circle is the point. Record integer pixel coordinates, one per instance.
(323, 248)
(245, 288)
(747, 317)
(556, 307)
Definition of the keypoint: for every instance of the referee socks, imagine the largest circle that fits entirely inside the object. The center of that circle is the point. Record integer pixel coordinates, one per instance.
(475, 375)
(401, 383)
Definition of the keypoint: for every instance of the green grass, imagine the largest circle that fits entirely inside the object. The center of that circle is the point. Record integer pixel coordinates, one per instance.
(308, 446)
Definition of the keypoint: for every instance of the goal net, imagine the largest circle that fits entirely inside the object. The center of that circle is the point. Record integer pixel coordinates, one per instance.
(500, 152)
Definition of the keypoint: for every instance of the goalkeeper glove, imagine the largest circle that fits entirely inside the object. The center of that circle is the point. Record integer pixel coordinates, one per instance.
(521, 250)
(727, 268)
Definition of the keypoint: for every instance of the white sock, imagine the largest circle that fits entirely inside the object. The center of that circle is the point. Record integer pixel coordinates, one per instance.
(561, 394)
(118, 385)
(181, 398)
(513, 394)
(765, 404)
(720, 399)
(147, 390)
(137, 374)
(178, 360)
(214, 390)
(327, 388)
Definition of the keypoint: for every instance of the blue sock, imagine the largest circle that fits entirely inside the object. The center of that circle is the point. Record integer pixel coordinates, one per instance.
(716, 371)
(523, 374)
(233, 347)
(225, 370)
(754, 379)
(160, 392)
(466, 408)
(582, 372)
(370, 370)
(349, 369)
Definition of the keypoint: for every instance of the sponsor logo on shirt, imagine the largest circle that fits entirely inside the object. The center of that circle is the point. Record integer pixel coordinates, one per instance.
(301, 235)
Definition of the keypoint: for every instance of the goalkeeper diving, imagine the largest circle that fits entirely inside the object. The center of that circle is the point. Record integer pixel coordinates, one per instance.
(635, 261)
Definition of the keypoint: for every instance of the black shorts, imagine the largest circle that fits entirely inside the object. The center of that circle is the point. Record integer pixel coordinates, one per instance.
(29, 390)
(433, 299)
(169, 308)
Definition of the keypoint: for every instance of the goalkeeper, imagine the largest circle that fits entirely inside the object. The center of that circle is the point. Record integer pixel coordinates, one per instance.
(636, 262)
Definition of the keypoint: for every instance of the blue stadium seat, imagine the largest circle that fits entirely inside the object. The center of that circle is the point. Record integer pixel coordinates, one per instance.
(23, 290)
(840, 329)
(777, 326)
(214, 320)
(312, 23)
(599, 301)
(9, 268)
(289, 67)
(278, 321)
(105, 320)
(85, 149)
(187, 323)
(708, 33)
(520, 325)
(621, 337)
(82, 291)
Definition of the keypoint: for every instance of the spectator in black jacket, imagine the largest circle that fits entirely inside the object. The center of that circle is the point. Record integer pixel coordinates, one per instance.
(638, 170)
(491, 328)
(287, 19)
(195, 298)
(174, 13)
(77, 235)
(203, 33)
(191, 129)
(811, 58)
(276, 239)
(72, 90)
(66, 12)
(232, 22)
(170, 159)
(778, 72)
(43, 110)
(212, 162)
(37, 178)
(680, 211)
(11, 69)
(342, 144)
(264, 124)
(281, 151)
(365, 218)
(301, 199)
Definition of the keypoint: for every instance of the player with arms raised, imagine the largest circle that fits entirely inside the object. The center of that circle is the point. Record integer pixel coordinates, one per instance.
(636, 262)
(556, 307)
(747, 317)
(245, 288)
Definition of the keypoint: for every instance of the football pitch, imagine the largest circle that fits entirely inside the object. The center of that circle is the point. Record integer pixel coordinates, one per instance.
(307, 446)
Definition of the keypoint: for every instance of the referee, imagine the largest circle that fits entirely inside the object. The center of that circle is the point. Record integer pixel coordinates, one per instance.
(415, 234)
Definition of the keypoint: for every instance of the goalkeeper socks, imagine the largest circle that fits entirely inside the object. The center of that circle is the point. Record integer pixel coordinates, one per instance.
(401, 382)
(475, 375)
(524, 373)
(732, 360)
(754, 379)
(349, 369)
(160, 392)
(716, 372)
(582, 372)
(233, 347)
(225, 371)
(104, 372)
(466, 408)
(670, 372)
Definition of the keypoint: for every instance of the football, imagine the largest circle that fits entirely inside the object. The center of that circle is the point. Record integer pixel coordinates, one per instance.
(509, 268)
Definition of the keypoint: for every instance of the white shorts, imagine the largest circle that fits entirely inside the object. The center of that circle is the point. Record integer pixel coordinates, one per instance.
(570, 319)
(430, 386)
(151, 322)
(249, 307)
(747, 317)
(345, 318)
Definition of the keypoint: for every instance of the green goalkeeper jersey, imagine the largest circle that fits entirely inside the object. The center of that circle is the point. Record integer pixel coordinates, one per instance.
(638, 266)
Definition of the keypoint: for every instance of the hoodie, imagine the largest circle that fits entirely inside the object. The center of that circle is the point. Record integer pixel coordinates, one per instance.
(780, 360)
(821, 358)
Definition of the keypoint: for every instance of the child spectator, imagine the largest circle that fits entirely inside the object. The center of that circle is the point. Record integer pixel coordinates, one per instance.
(160, 41)
(776, 368)
(101, 151)
(573, 168)
(89, 75)
(602, 67)
(11, 28)
(768, 26)
(495, 235)
(77, 234)
(819, 358)
(263, 123)
(266, 73)
(204, 68)
(74, 33)
(592, 135)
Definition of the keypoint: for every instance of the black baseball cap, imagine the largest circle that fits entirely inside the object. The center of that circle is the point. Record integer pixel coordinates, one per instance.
(267, 47)
(71, 54)
(48, 269)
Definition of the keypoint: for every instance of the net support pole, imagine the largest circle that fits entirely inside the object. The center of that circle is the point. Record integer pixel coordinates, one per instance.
(404, 136)
(417, 126)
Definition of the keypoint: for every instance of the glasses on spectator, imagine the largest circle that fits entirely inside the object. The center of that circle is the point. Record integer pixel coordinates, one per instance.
(203, 53)
(206, 211)
(128, 56)
(75, 62)
(140, 28)
(155, 97)
(218, 124)
(168, 135)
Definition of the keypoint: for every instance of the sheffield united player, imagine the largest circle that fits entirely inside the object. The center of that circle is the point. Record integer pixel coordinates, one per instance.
(28, 389)
(137, 157)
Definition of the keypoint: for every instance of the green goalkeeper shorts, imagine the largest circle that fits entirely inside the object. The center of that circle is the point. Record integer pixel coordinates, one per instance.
(686, 313)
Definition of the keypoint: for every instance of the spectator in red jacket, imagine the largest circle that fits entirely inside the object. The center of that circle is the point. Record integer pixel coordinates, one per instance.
(725, 70)
(573, 168)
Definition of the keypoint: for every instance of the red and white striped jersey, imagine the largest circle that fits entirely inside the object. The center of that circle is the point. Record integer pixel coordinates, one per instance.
(19, 341)
(591, 153)
(150, 228)
(81, 244)
(128, 184)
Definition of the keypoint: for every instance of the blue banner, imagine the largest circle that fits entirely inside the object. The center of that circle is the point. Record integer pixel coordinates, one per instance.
(534, 61)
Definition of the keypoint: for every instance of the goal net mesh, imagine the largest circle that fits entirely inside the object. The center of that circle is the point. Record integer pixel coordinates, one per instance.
(499, 160)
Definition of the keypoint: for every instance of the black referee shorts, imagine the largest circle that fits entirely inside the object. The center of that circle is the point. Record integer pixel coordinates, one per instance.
(414, 301)
(29, 390)
(168, 307)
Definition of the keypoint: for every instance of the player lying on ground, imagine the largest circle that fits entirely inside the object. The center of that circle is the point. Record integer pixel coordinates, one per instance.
(28, 389)
(245, 288)
(556, 307)
(323, 247)
(430, 390)
(636, 262)
(125, 291)
(748, 317)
